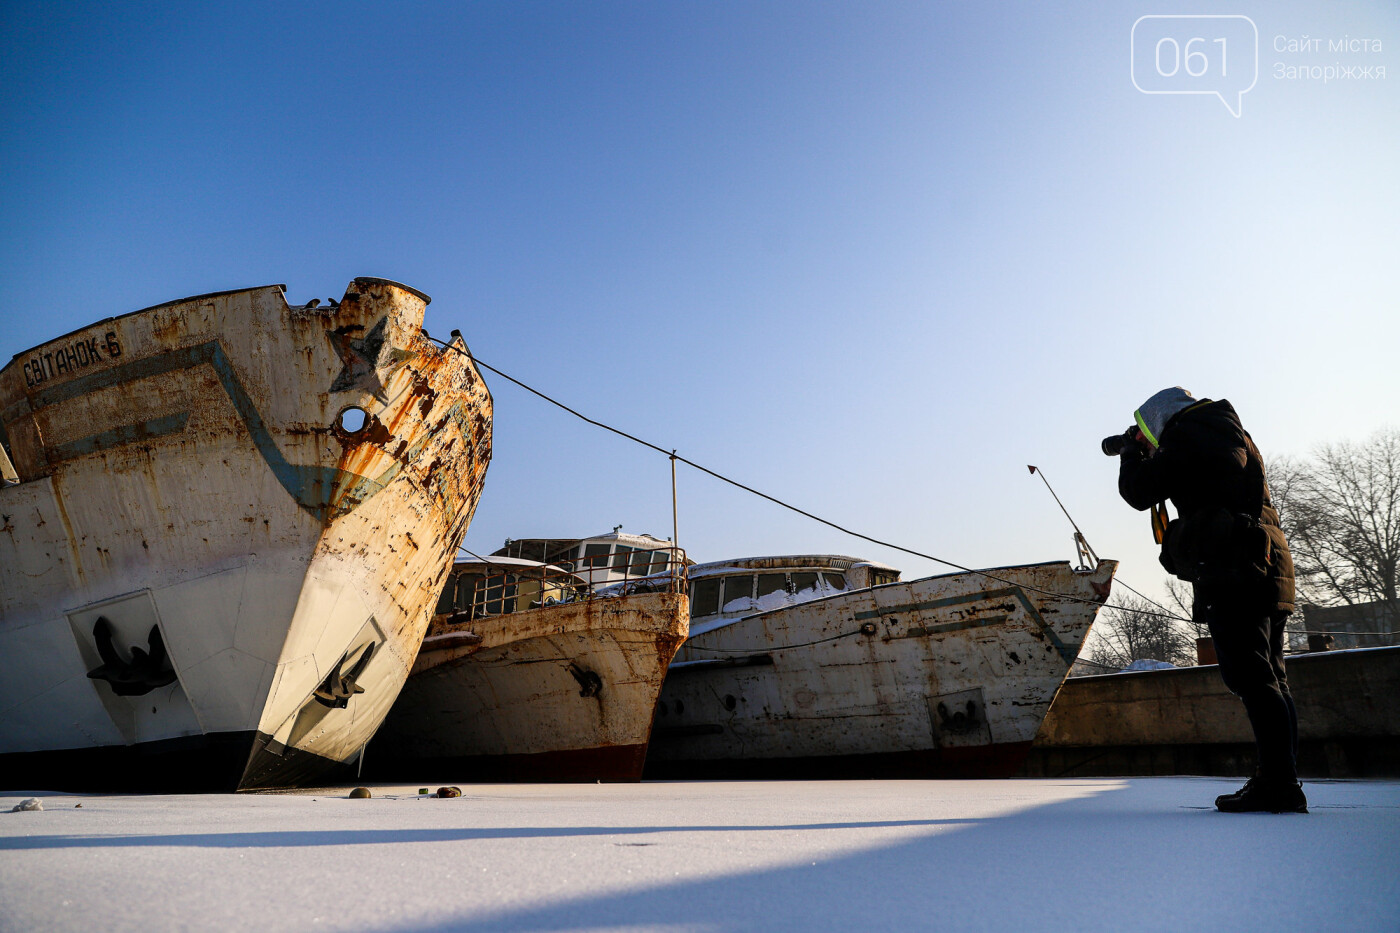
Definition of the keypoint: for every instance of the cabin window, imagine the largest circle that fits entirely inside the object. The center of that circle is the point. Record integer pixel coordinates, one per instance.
(704, 597)
(770, 583)
(491, 592)
(641, 560)
(570, 558)
(835, 581)
(621, 555)
(444, 604)
(595, 555)
(497, 594)
(660, 560)
(804, 583)
(738, 593)
(466, 589)
(881, 577)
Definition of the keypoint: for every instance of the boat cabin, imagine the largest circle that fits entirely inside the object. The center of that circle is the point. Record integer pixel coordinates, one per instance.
(731, 589)
(601, 560)
(500, 585)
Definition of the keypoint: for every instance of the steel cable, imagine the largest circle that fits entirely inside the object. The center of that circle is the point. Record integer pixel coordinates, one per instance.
(776, 501)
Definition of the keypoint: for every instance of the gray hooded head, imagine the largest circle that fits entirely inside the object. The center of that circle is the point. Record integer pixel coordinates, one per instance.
(1154, 414)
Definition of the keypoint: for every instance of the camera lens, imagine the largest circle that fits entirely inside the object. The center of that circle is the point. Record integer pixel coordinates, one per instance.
(1114, 445)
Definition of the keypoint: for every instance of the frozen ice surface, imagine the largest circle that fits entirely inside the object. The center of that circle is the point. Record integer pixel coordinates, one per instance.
(1019, 855)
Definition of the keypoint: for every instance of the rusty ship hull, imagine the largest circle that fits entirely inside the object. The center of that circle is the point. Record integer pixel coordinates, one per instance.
(558, 693)
(946, 676)
(232, 520)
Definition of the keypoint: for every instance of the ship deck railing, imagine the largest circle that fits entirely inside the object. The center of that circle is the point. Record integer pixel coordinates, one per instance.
(520, 587)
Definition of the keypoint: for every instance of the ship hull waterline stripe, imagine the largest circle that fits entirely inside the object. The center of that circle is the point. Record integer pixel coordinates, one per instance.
(212, 762)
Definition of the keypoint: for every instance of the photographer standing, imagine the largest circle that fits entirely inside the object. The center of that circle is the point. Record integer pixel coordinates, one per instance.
(1226, 541)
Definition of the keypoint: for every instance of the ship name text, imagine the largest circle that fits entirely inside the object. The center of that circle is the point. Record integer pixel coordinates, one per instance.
(80, 354)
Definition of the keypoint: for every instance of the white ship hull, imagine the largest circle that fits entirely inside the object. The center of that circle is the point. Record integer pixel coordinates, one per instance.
(944, 676)
(559, 693)
(190, 490)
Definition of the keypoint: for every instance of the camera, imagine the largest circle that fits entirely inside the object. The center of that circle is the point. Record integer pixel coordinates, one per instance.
(1114, 445)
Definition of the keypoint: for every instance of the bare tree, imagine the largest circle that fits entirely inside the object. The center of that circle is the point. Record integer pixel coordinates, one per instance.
(1132, 629)
(1341, 512)
(1181, 599)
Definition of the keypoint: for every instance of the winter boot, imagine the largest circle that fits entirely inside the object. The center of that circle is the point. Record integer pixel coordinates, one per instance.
(1261, 796)
(1233, 794)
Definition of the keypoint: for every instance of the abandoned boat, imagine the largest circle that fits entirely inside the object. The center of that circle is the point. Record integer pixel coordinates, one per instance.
(527, 675)
(229, 522)
(829, 666)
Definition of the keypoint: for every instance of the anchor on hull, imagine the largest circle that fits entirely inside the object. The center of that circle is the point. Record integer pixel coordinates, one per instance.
(147, 669)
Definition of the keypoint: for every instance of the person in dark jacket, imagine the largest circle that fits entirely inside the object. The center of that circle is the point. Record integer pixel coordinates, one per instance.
(1227, 542)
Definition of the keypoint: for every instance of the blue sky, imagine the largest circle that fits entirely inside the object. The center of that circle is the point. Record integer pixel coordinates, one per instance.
(871, 258)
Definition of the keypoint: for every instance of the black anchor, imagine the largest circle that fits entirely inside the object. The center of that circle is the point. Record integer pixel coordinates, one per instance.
(146, 670)
(590, 684)
(337, 689)
(960, 722)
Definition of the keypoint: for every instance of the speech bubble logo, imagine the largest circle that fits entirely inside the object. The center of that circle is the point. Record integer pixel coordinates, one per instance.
(1185, 54)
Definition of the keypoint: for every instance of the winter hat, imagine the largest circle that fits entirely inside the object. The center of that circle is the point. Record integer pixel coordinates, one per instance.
(1154, 414)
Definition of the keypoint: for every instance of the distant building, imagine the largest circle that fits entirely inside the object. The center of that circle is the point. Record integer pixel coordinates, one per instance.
(1360, 625)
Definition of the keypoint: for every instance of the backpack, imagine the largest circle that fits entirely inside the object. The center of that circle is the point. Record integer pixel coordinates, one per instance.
(1218, 546)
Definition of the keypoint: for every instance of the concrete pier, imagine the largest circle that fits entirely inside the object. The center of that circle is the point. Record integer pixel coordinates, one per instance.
(1184, 721)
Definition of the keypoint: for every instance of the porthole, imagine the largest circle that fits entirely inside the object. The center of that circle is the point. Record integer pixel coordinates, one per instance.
(352, 420)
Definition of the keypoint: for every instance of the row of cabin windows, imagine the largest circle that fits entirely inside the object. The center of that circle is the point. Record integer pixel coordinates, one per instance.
(635, 562)
(484, 595)
(496, 594)
(741, 592)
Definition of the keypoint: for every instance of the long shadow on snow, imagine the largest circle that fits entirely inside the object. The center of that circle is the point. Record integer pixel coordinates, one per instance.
(1136, 856)
(362, 837)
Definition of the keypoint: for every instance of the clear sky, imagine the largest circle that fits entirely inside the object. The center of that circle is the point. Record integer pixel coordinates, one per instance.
(872, 258)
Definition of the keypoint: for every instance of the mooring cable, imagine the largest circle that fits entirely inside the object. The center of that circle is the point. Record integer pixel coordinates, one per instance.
(776, 501)
(1166, 613)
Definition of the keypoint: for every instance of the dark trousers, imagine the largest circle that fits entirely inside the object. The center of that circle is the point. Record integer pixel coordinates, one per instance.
(1249, 646)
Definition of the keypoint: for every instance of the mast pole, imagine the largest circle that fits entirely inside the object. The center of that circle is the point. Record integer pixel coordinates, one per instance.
(675, 526)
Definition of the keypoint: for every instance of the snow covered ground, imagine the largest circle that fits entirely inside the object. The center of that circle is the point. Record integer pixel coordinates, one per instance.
(1021, 855)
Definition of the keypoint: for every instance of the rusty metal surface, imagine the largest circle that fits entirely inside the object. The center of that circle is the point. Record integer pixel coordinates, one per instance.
(194, 454)
(579, 677)
(920, 670)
